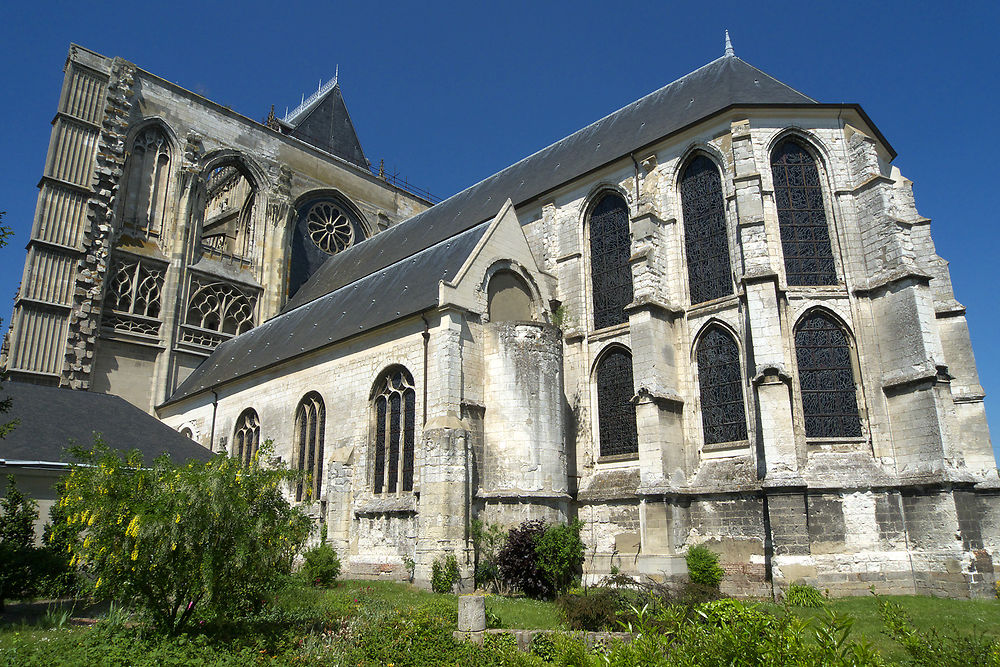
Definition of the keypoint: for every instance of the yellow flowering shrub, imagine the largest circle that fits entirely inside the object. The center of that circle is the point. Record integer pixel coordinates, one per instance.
(213, 536)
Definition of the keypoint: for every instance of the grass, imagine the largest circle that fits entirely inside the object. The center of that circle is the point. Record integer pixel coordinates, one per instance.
(946, 616)
(961, 617)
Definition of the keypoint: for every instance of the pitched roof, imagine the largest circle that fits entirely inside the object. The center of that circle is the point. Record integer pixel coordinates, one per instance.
(409, 286)
(709, 89)
(53, 418)
(338, 294)
(324, 122)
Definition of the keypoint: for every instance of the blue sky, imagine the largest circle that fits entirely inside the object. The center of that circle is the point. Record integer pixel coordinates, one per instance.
(448, 94)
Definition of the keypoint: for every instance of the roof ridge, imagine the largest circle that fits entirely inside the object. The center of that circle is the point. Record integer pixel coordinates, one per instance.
(757, 69)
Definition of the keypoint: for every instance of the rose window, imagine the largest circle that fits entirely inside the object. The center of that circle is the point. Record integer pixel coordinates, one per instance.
(329, 228)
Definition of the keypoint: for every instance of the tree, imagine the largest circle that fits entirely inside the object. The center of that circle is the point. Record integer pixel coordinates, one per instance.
(215, 536)
(6, 427)
(18, 514)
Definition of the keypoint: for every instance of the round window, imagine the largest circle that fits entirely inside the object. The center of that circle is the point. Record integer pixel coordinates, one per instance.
(329, 227)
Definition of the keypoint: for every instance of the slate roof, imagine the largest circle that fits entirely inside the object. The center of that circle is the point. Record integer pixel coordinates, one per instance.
(343, 287)
(327, 125)
(52, 417)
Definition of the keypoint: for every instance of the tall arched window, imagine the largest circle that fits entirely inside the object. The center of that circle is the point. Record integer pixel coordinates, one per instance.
(147, 181)
(394, 415)
(720, 382)
(826, 378)
(228, 223)
(805, 234)
(706, 244)
(615, 410)
(307, 452)
(610, 249)
(246, 436)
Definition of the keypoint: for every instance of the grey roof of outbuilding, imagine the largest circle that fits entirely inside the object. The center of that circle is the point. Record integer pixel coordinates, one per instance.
(337, 300)
(53, 418)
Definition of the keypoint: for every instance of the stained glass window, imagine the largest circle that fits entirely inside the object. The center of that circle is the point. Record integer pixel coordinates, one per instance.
(610, 249)
(310, 422)
(720, 381)
(826, 378)
(246, 436)
(706, 243)
(394, 414)
(805, 234)
(615, 410)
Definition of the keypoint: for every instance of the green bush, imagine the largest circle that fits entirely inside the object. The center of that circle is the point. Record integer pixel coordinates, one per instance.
(321, 566)
(215, 537)
(444, 574)
(560, 555)
(18, 514)
(703, 566)
(518, 561)
(804, 595)
(593, 611)
(487, 541)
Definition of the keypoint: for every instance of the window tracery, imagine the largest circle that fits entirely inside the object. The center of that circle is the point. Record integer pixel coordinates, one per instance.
(805, 234)
(147, 182)
(706, 243)
(228, 222)
(216, 312)
(720, 383)
(610, 249)
(329, 227)
(310, 425)
(394, 410)
(132, 301)
(246, 436)
(826, 378)
(615, 409)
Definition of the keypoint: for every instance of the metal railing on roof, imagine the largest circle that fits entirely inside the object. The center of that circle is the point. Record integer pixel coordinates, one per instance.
(395, 180)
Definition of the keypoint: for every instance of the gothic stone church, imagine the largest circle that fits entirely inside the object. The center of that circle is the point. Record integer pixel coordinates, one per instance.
(714, 316)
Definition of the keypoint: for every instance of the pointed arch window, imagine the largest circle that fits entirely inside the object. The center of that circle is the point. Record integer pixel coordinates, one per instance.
(720, 383)
(615, 409)
(147, 182)
(805, 234)
(610, 249)
(706, 243)
(246, 436)
(394, 416)
(826, 378)
(307, 453)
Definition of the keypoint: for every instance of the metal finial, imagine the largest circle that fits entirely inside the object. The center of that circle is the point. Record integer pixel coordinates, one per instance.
(729, 46)
(336, 72)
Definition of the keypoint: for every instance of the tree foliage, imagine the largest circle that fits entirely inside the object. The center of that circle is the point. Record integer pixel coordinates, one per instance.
(560, 554)
(215, 536)
(541, 560)
(18, 514)
(703, 566)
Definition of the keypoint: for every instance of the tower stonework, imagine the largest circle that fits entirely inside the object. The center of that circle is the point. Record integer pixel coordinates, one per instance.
(713, 317)
(156, 206)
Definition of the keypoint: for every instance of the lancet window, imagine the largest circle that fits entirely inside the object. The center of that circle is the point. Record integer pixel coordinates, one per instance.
(805, 234)
(720, 382)
(132, 302)
(307, 454)
(706, 244)
(615, 409)
(228, 222)
(826, 378)
(394, 416)
(147, 182)
(610, 249)
(246, 436)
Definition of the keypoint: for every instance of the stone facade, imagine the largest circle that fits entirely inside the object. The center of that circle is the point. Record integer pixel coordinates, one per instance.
(126, 237)
(819, 419)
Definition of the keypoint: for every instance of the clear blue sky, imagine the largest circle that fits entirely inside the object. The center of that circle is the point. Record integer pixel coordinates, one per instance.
(448, 94)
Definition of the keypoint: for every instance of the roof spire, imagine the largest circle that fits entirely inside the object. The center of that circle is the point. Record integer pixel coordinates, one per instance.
(729, 46)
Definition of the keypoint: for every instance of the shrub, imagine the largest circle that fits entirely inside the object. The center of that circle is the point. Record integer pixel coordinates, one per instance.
(518, 561)
(17, 543)
(321, 566)
(593, 611)
(488, 540)
(703, 566)
(216, 536)
(444, 574)
(560, 555)
(804, 595)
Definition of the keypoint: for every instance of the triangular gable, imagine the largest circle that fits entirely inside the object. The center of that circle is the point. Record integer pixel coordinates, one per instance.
(328, 126)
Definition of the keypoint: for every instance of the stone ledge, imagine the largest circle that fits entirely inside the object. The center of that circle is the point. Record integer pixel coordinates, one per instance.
(525, 637)
(397, 505)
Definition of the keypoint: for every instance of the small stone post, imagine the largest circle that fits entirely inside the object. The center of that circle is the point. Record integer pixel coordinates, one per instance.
(471, 613)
